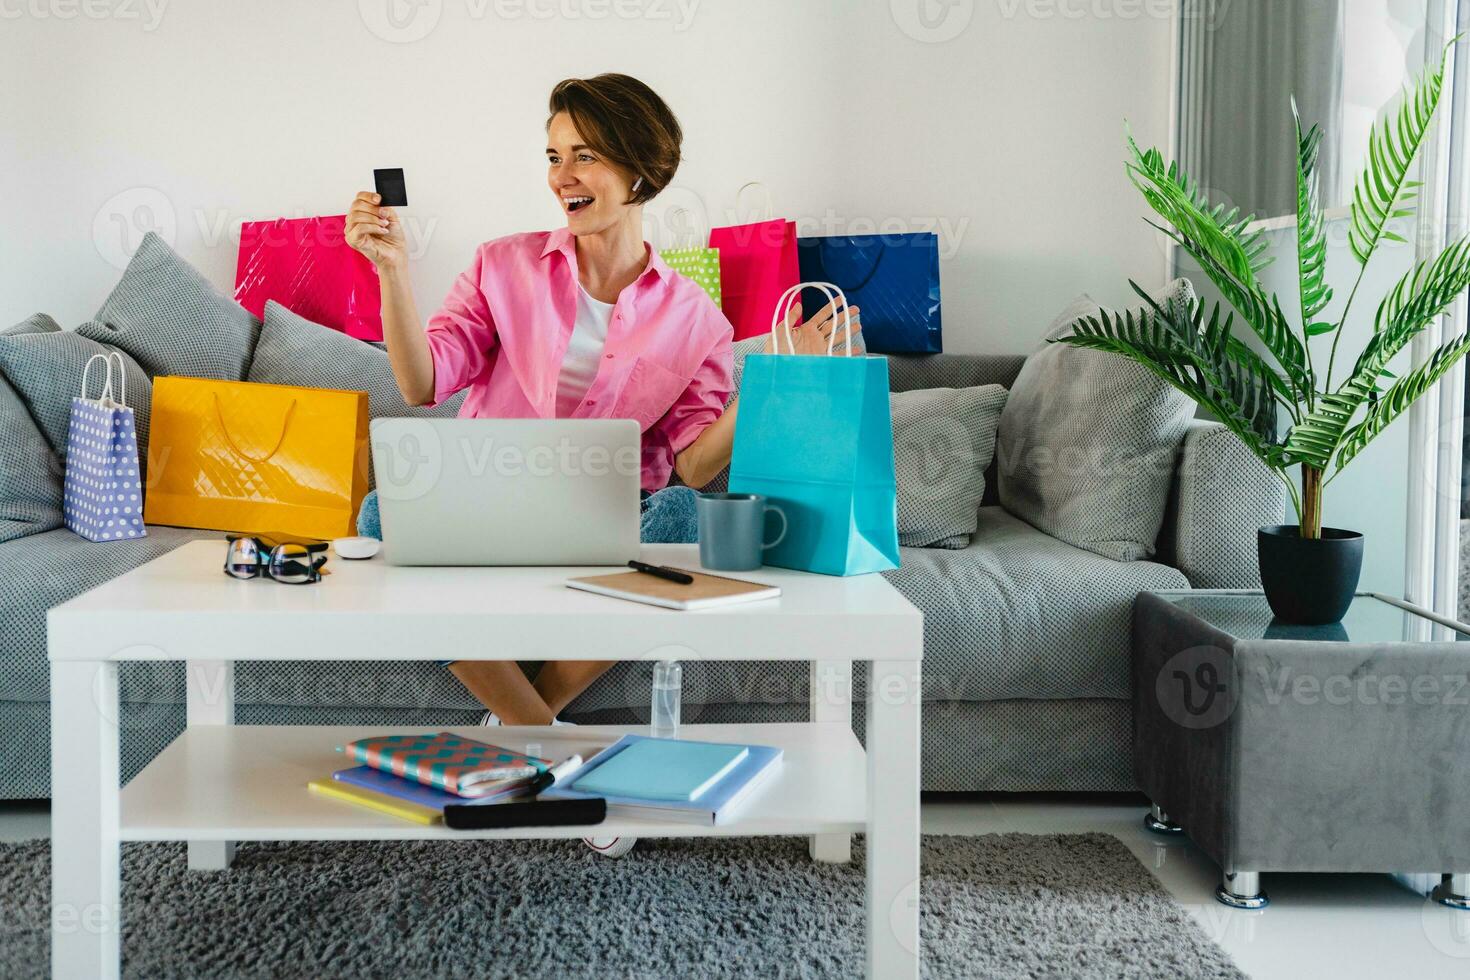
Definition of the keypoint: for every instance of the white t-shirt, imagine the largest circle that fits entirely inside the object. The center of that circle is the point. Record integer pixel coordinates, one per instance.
(584, 351)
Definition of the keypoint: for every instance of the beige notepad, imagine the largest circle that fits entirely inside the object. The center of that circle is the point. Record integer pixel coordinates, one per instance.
(705, 591)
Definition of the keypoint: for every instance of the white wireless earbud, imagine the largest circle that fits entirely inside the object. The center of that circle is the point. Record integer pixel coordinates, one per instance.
(637, 184)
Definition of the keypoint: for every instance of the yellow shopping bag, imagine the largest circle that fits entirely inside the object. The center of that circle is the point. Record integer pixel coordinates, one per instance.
(256, 458)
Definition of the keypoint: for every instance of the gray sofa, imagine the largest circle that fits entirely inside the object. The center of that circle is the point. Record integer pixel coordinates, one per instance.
(1026, 637)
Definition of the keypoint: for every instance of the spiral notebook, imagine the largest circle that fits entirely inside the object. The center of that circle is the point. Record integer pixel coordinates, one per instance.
(704, 592)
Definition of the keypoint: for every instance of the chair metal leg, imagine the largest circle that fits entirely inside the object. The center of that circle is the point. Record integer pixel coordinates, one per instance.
(1454, 891)
(1158, 821)
(1241, 890)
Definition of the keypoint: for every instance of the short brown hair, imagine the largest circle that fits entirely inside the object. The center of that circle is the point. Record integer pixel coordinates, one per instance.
(627, 124)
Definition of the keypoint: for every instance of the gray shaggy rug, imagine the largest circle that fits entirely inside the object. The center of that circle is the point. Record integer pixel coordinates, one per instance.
(1000, 905)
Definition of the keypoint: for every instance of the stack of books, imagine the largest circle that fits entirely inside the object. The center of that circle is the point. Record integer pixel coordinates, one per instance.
(703, 782)
(416, 776)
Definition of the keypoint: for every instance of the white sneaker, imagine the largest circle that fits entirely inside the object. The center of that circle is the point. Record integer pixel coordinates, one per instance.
(558, 723)
(610, 847)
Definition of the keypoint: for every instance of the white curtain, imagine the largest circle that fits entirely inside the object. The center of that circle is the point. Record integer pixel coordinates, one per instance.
(1241, 62)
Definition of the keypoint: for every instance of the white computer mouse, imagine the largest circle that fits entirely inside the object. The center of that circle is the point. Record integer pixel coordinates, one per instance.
(360, 547)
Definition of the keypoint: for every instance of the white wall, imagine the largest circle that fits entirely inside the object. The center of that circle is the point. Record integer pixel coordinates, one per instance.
(191, 117)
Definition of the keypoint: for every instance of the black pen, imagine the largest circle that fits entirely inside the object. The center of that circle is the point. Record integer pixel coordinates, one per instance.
(673, 575)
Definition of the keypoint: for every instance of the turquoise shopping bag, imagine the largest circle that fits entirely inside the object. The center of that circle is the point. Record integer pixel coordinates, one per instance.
(815, 437)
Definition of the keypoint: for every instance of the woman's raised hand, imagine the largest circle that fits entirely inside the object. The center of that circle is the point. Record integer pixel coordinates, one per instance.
(813, 336)
(376, 232)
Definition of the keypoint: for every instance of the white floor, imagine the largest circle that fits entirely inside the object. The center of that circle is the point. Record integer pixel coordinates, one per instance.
(1342, 926)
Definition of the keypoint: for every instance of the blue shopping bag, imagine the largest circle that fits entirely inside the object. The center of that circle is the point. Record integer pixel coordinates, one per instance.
(893, 279)
(102, 494)
(814, 436)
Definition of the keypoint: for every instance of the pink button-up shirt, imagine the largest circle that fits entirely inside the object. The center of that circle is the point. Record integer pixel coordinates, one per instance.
(504, 328)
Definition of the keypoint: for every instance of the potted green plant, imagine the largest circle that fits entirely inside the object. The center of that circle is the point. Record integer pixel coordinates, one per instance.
(1309, 572)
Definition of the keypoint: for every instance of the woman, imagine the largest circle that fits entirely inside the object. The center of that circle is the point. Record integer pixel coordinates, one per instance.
(582, 322)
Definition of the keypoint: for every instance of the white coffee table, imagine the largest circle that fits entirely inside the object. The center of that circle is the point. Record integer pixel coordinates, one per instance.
(217, 784)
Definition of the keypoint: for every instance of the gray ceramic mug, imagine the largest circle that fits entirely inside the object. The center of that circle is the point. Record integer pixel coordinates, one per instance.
(732, 530)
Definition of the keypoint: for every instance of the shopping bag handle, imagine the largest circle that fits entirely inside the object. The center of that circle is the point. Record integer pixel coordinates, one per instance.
(770, 204)
(285, 423)
(824, 244)
(793, 294)
(122, 376)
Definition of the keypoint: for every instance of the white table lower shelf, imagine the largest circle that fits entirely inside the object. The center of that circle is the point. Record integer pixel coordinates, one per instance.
(219, 783)
(248, 783)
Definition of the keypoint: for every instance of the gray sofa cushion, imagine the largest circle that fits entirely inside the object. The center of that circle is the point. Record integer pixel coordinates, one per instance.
(35, 323)
(907, 372)
(1020, 614)
(1222, 494)
(943, 439)
(45, 369)
(30, 473)
(171, 320)
(293, 350)
(1088, 441)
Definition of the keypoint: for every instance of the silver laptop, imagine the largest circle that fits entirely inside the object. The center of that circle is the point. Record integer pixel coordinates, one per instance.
(507, 491)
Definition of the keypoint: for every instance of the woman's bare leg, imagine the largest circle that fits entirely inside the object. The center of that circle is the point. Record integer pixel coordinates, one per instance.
(502, 687)
(562, 680)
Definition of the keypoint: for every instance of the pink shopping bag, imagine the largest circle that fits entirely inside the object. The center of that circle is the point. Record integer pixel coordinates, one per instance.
(307, 266)
(758, 263)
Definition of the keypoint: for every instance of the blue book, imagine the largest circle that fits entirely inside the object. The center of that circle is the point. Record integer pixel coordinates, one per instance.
(715, 806)
(661, 770)
(415, 792)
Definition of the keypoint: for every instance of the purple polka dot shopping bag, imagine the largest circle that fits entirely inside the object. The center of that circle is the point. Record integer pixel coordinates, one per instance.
(103, 498)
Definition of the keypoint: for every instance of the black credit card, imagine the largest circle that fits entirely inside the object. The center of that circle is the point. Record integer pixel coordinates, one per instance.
(391, 188)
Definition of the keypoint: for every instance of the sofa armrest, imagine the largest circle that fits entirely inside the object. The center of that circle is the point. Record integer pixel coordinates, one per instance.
(1220, 496)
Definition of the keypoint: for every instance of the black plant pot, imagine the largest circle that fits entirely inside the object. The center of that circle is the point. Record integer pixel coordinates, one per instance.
(1310, 581)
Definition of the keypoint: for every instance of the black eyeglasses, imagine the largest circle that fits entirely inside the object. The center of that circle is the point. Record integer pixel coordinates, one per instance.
(292, 563)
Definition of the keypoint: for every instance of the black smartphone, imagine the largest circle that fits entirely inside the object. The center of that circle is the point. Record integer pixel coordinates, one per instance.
(529, 813)
(391, 188)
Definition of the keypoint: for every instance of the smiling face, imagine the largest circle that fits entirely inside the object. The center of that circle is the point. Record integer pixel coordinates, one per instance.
(592, 193)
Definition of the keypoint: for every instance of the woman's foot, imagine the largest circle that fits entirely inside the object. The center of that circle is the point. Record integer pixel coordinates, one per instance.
(610, 847)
